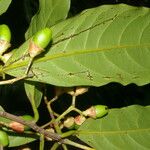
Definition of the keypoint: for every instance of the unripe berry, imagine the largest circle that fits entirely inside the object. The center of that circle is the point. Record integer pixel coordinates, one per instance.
(40, 41)
(43, 37)
(27, 118)
(5, 37)
(4, 140)
(5, 33)
(96, 111)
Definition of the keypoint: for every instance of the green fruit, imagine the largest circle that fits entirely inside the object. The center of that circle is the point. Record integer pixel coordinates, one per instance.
(42, 37)
(5, 33)
(4, 140)
(101, 110)
(5, 36)
(27, 118)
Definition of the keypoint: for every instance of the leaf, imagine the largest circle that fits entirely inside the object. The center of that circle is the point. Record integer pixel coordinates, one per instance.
(21, 139)
(126, 128)
(34, 93)
(110, 43)
(4, 4)
(50, 12)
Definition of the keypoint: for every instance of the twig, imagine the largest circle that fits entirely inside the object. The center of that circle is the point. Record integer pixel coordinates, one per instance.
(55, 146)
(11, 81)
(32, 125)
(41, 146)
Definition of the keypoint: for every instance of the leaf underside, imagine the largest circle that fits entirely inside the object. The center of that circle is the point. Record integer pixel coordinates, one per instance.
(110, 43)
(126, 128)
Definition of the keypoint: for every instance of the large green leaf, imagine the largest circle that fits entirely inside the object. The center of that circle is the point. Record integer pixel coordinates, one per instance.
(126, 128)
(4, 4)
(105, 44)
(50, 12)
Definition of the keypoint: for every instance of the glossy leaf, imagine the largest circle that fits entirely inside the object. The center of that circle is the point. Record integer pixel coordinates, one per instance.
(50, 12)
(125, 128)
(106, 44)
(4, 4)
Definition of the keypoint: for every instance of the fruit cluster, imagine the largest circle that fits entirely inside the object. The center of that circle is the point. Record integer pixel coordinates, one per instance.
(94, 112)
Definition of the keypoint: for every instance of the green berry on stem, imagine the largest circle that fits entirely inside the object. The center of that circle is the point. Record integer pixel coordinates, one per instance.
(39, 41)
(5, 37)
(4, 140)
(96, 111)
(5, 33)
(27, 118)
(42, 37)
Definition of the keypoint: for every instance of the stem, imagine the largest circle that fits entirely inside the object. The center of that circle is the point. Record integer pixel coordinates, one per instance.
(64, 113)
(29, 65)
(1, 147)
(78, 111)
(11, 81)
(73, 100)
(34, 108)
(41, 142)
(32, 125)
(55, 124)
(68, 133)
(64, 147)
(55, 146)
(69, 142)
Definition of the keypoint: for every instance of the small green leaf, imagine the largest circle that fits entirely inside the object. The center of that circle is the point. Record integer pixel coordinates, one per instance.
(21, 139)
(34, 92)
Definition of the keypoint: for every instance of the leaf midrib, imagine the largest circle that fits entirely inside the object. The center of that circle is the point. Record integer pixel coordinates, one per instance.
(102, 133)
(69, 54)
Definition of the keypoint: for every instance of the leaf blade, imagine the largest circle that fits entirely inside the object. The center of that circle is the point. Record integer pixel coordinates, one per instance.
(98, 49)
(121, 126)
